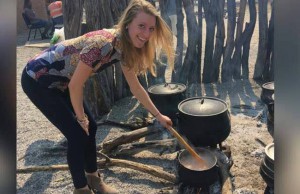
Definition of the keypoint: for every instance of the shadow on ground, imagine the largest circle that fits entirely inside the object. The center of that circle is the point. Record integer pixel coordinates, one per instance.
(42, 153)
(241, 96)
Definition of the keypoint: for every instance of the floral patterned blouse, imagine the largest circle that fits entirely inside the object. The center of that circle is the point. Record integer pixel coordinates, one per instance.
(54, 67)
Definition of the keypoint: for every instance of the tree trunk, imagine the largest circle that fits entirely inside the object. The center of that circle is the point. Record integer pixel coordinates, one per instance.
(118, 82)
(179, 47)
(98, 14)
(93, 20)
(188, 73)
(246, 45)
(160, 75)
(269, 68)
(210, 12)
(227, 69)
(241, 40)
(72, 12)
(164, 11)
(117, 8)
(236, 62)
(95, 95)
(143, 80)
(263, 39)
(220, 36)
(104, 88)
(199, 44)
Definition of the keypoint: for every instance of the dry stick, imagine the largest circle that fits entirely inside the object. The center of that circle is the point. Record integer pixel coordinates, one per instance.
(260, 142)
(131, 126)
(31, 169)
(186, 145)
(107, 146)
(133, 148)
(105, 163)
(140, 167)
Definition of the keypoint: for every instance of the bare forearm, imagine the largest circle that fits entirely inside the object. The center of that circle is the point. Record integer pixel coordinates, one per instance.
(76, 85)
(76, 95)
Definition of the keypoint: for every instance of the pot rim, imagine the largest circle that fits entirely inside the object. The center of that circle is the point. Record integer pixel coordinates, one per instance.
(265, 86)
(160, 94)
(268, 149)
(203, 115)
(201, 148)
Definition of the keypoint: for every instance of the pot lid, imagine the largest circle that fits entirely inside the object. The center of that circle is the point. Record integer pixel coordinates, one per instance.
(269, 150)
(202, 106)
(268, 85)
(167, 88)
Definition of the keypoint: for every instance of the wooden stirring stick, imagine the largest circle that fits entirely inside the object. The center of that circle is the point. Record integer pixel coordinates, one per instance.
(186, 145)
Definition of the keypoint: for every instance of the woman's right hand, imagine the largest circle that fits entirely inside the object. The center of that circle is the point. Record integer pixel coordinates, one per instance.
(164, 120)
(84, 123)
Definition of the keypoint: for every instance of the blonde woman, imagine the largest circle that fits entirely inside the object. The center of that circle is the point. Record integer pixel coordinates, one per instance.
(54, 80)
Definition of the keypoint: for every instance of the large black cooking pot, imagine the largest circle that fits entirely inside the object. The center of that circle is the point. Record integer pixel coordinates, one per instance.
(270, 124)
(269, 155)
(266, 169)
(267, 92)
(271, 106)
(188, 172)
(166, 97)
(270, 116)
(205, 121)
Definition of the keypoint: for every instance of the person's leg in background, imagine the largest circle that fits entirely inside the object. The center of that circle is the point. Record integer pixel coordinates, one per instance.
(56, 21)
(47, 24)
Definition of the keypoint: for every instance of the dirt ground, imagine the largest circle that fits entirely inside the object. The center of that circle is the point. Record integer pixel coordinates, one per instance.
(40, 143)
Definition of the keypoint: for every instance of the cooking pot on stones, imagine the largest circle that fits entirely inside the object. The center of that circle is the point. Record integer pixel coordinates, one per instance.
(271, 108)
(269, 156)
(267, 165)
(267, 92)
(270, 116)
(267, 169)
(166, 97)
(270, 124)
(267, 178)
(205, 121)
(192, 175)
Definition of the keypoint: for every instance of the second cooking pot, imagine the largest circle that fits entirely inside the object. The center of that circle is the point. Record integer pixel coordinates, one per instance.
(267, 92)
(205, 121)
(166, 97)
(269, 155)
(267, 165)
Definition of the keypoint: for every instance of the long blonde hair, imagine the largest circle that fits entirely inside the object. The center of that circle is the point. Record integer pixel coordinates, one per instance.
(161, 41)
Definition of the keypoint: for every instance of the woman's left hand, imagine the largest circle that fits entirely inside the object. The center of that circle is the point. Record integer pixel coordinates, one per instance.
(164, 120)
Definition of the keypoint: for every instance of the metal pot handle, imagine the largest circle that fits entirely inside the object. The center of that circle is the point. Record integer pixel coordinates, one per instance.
(169, 86)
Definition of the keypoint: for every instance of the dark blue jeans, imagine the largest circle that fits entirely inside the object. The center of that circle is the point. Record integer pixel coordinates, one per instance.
(58, 20)
(56, 106)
